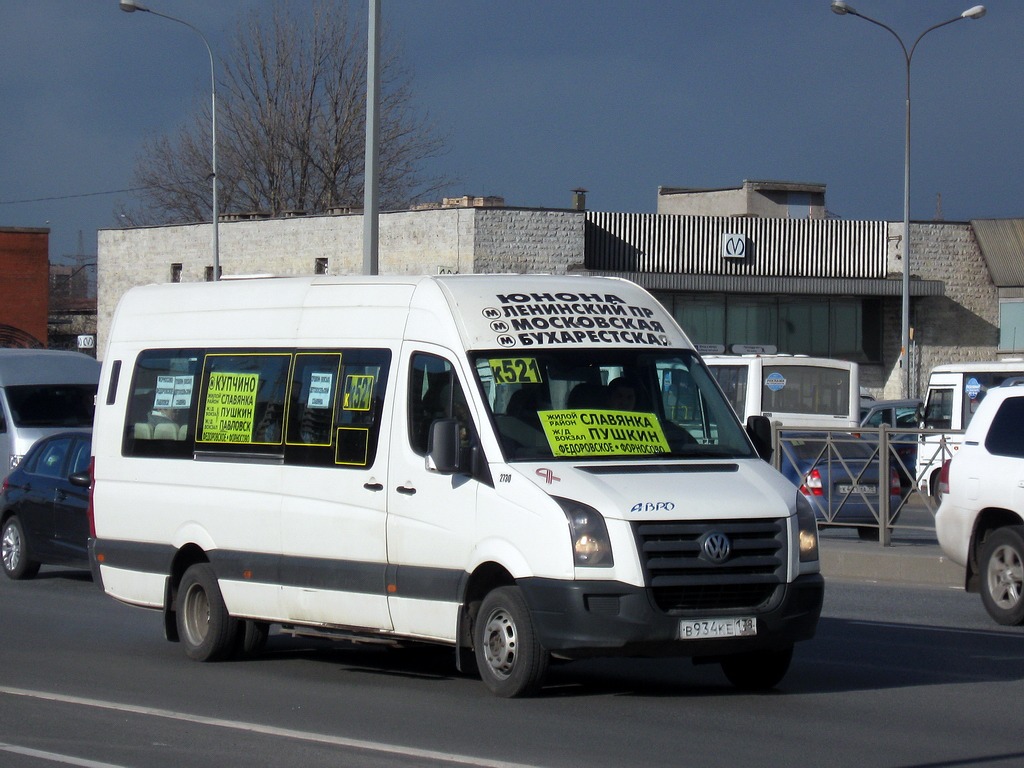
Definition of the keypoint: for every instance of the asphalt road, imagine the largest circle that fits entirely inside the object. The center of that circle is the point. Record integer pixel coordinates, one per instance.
(897, 676)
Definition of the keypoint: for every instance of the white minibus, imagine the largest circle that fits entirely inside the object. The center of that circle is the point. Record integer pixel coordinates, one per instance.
(954, 393)
(500, 464)
(42, 392)
(791, 390)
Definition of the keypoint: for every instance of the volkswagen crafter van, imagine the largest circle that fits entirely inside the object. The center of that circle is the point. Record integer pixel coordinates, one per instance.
(520, 467)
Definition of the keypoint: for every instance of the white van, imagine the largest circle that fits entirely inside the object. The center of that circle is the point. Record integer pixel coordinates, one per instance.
(791, 390)
(42, 392)
(517, 466)
(954, 393)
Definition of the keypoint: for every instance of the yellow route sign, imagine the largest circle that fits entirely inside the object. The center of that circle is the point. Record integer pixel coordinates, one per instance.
(230, 407)
(596, 432)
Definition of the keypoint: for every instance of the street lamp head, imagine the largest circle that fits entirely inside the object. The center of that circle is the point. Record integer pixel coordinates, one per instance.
(841, 8)
(973, 13)
(130, 6)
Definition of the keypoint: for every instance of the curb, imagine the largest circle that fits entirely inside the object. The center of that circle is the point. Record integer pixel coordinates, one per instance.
(898, 563)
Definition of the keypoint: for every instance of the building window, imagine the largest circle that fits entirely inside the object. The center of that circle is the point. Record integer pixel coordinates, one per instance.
(751, 320)
(175, 273)
(320, 266)
(1011, 325)
(849, 329)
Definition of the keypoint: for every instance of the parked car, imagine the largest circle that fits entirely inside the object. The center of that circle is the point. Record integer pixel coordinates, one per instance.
(898, 414)
(839, 478)
(980, 522)
(43, 506)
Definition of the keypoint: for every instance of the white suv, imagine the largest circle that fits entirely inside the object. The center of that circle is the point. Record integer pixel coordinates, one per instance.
(980, 523)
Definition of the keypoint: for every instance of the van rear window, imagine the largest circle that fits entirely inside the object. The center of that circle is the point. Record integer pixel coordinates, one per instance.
(52, 405)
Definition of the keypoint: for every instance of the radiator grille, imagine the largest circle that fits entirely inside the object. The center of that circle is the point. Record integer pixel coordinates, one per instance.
(682, 577)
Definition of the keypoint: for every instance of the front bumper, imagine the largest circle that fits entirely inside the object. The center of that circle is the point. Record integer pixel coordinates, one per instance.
(577, 619)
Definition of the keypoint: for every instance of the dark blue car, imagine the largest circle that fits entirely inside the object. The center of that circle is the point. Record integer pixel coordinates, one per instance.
(838, 474)
(44, 506)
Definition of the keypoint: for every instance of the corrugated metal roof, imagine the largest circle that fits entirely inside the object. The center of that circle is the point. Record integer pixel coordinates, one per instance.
(776, 247)
(1002, 245)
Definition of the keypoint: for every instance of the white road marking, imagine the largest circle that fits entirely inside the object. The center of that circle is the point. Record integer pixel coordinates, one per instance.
(266, 730)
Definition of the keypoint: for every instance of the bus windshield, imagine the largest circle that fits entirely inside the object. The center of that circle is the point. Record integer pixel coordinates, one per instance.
(599, 403)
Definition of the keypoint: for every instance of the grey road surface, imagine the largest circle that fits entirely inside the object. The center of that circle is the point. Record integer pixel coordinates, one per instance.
(897, 676)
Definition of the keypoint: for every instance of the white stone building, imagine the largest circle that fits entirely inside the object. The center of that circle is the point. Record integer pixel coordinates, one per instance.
(787, 278)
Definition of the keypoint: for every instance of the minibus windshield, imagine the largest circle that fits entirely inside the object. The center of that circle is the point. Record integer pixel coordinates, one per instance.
(598, 403)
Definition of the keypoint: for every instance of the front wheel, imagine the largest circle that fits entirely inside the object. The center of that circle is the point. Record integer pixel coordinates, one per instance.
(510, 659)
(17, 563)
(204, 626)
(1002, 575)
(757, 670)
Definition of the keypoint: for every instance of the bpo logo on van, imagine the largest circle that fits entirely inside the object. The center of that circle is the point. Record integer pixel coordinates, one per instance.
(775, 381)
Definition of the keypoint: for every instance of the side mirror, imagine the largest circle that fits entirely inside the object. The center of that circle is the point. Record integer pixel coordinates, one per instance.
(759, 428)
(444, 447)
(81, 479)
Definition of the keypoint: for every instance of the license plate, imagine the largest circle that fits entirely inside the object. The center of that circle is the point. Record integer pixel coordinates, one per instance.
(846, 488)
(698, 629)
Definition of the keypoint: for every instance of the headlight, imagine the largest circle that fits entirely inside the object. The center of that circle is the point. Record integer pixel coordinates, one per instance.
(591, 546)
(807, 530)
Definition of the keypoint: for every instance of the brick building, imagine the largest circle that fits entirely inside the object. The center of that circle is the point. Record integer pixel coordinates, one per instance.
(24, 278)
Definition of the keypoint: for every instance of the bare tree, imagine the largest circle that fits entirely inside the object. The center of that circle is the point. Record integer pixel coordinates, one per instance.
(291, 126)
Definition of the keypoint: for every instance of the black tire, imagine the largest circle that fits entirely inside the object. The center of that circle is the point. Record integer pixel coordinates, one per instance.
(1002, 575)
(18, 563)
(204, 626)
(933, 486)
(252, 637)
(757, 670)
(510, 659)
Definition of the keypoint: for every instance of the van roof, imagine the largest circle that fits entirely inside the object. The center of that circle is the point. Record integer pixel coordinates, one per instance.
(474, 311)
(46, 366)
(1007, 364)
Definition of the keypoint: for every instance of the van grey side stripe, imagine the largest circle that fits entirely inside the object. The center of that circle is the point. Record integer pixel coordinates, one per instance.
(135, 555)
(422, 583)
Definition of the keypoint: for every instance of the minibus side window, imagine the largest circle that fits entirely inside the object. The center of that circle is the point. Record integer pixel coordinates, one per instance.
(334, 407)
(161, 413)
(938, 412)
(242, 400)
(434, 393)
(733, 381)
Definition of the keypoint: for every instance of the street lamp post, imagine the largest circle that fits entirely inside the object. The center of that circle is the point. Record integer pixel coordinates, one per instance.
(842, 8)
(130, 6)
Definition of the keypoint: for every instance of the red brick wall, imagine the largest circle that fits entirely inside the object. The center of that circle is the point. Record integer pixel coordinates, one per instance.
(24, 279)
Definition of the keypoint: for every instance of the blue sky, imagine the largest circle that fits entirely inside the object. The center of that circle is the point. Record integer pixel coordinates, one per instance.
(538, 97)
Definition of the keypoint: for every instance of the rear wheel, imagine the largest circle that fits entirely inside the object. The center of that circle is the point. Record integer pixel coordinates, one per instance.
(1002, 575)
(17, 562)
(204, 626)
(757, 670)
(511, 660)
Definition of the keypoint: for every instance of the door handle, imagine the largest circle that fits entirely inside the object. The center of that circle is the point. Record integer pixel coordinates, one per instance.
(405, 490)
(373, 486)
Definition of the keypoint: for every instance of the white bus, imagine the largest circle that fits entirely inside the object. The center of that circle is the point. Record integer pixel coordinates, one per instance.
(791, 390)
(493, 463)
(954, 393)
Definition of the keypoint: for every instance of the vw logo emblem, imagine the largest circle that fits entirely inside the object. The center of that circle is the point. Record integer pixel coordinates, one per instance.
(717, 547)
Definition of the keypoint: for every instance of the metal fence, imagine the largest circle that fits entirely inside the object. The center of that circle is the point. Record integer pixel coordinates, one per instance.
(868, 480)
